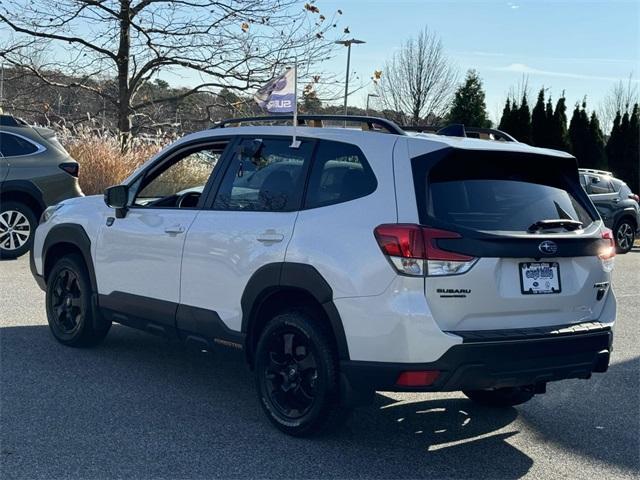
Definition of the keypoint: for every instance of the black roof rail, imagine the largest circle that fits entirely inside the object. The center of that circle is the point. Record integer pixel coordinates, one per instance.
(459, 130)
(371, 123)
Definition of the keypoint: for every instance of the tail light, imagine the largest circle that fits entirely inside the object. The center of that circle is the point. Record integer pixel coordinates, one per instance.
(413, 250)
(607, 251)
(71, 168)
(635, 197)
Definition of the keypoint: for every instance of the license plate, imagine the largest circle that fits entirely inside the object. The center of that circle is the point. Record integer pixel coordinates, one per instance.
(539, 278)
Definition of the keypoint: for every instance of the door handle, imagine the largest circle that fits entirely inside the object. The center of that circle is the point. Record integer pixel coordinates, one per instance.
(270, 236)
(174, 230)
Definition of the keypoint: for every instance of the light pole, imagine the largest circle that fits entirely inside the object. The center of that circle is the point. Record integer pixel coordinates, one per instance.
(369, 95)
(348, 43)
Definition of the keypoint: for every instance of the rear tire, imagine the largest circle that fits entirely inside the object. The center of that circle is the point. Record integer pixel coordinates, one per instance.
(71, 316)
(501, 397)
(625, 235)
(297, 375)
(17, 225)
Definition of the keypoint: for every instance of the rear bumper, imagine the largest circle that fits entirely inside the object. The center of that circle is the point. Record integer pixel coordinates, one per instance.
(493, 364)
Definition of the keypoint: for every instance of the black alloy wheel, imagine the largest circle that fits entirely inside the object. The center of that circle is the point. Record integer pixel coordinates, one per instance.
(66, 301)
(296, 371)
(291, 375)
(72, 320)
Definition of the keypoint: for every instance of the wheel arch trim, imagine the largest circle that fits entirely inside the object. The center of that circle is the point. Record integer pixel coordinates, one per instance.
(73, 234)
(276, 277)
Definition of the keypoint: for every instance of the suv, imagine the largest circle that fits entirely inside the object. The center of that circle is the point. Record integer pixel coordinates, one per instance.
(361, 260)
(616, 203)
(35, 172)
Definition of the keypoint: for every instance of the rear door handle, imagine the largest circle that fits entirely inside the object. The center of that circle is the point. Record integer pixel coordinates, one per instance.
(174, 230)
(270, 236)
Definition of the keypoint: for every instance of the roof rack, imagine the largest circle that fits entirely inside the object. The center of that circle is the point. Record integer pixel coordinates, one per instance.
(595, 171)
(459, 130)
(367, 123)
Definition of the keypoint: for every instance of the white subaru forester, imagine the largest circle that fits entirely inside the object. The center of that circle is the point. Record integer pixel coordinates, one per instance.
(364, 259)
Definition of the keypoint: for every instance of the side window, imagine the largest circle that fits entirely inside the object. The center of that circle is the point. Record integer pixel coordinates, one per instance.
(265, 176)
(339, 173)
(599, 185)
(180, 182)
(12, 145)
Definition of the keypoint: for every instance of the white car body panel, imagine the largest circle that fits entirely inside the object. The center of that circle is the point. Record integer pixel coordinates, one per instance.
(140, 255)
(222, 252)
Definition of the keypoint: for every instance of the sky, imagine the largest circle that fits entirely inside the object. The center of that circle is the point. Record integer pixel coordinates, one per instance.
(581, 47)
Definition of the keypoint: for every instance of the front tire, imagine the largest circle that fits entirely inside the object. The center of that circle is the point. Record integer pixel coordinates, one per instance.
(296, 375)
(17, 225)
(625, 234)
(501, 397)
(71, 318)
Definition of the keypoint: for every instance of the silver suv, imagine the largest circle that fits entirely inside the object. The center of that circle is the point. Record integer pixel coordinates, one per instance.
(35, 172)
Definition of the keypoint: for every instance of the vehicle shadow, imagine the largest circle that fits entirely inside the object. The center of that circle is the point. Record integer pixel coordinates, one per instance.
(143, 407)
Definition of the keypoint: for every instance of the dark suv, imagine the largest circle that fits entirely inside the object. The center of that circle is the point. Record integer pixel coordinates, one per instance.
(35, 172)
(617, 204)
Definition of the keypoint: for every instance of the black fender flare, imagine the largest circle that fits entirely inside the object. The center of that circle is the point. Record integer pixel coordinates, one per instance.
(75, 235)
(627, 212)
(8, 187)
(272, 277)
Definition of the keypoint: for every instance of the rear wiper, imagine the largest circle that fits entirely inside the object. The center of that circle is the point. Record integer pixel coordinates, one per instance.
(556, 223)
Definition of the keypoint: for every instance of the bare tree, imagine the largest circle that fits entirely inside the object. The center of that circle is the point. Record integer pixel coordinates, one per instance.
(620, 99)
(418, 81)
(232, 44)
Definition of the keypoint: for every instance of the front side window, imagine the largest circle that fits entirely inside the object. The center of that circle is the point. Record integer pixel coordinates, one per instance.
(340, 173)
(179, 182)
(265, 175)
(599, 185)
(13, 146)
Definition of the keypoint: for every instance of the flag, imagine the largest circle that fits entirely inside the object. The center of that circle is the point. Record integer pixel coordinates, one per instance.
(278, 95)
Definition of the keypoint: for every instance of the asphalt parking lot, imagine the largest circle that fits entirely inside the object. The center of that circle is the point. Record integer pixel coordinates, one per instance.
(140, 407)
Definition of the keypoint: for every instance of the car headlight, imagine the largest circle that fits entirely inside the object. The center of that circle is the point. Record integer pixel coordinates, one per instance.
(49, 211)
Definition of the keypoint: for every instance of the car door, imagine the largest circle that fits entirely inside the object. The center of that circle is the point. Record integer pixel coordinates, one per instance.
(248, 225)
(138, 257)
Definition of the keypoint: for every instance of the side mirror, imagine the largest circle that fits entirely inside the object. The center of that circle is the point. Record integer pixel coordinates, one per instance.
(117, 197)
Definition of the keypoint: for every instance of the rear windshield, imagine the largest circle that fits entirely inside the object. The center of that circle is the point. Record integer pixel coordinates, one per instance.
(504, 194)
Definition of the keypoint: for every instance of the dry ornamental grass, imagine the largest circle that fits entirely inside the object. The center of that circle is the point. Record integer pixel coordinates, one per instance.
(101, 162)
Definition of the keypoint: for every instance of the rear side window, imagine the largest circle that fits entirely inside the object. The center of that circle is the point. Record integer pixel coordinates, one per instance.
(269, 179)
(340, 173)
(498, 193)
(12, 145)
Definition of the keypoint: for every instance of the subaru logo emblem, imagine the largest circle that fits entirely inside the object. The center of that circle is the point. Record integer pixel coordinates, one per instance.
(548, 247)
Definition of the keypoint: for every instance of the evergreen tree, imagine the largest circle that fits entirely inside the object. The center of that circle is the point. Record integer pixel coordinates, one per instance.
(615, 144)
(558, 135)
(524, 121)
(579, 134)
(596, 157)
(633, 153)
(549, 119)
(539, 123)
(505, 120)
(469, 106)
